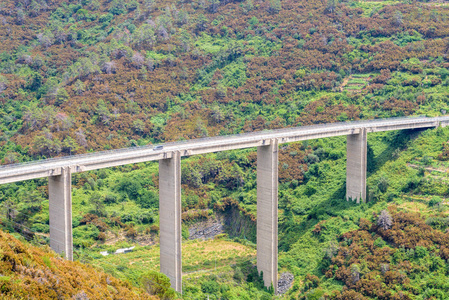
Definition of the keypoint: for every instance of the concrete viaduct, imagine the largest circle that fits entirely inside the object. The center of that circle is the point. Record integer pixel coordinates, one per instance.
(59, 172)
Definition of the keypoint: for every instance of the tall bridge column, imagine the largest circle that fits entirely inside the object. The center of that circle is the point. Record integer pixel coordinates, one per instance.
(267, 212)
(170, 219)
(356, 166)
(60, 207)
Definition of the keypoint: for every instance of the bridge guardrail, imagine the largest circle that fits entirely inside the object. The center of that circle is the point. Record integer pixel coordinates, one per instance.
(131, 150)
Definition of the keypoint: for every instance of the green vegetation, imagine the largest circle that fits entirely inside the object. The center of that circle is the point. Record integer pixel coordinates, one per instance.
(98, 75)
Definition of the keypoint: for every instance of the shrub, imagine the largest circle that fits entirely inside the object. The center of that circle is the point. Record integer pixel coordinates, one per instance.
(44, 228)
(379, 242)
(130, 186)
(47, 261)
(118, 7)
(311, 159)
(154, 228)
(131, 233)
(355, 273)
(315, 294)
(435, 201)
(383, 184)
(238, 275)
(427, 160)
(437, 222)
(158, 284)
(210, 287)
(102, 236)
(110, 198)
(364, 224)
(148, 199)
(421, 252)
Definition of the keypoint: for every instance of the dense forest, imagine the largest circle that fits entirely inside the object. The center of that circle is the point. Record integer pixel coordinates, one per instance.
(79, 76)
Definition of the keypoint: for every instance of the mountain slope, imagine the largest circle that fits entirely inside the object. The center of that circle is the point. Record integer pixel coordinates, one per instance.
(32, 272)
(107, 74)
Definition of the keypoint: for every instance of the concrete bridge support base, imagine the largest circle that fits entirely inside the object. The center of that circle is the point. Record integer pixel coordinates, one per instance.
(267, 213)
(170, 219)
(60, 206)
(356, 166)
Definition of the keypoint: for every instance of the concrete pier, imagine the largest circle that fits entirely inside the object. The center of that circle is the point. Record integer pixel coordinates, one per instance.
(60, 207)
(170, 219)
(356, 166)
(267, 212)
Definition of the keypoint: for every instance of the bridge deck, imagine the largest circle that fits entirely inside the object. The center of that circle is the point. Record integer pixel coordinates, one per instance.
(104, 159)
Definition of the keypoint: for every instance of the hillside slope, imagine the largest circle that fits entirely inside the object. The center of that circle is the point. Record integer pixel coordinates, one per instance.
(100, 74)
(29, 272)
(80, 76)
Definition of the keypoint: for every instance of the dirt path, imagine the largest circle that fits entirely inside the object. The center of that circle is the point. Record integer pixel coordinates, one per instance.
(430, 169)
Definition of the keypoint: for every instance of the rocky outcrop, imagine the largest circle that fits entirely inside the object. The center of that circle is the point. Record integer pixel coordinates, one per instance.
(231, 221)
(285, 282)
(207, 229)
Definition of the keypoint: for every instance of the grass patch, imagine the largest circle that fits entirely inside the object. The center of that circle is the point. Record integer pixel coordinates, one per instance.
(197, 256)
(357, 81)
(354, 87)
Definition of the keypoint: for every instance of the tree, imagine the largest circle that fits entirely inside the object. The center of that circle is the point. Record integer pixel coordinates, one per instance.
(275, 6)
(81, 138)
(162, 32)
(43, 143)
(109, 67)
(9, 208)
(384, 221)
(191, 176)
(3, 83)
(97, 202)
(49, 89)
(11, 158)
(138, 60)
(61, 96)
(118, 7)
(144, 36)
(158, 284)
(210, 287)
(397, 19)
(60, 35)
(148, 199)
(148, 5)
(46, 39)
(138, 126)
(88, 66)
(216, 114)
(201, 23)
(213, 6)
(69, 144)
(383, 184)
(79, 87)
(20, 17)
(35, 8)
(331, 6)
(38, 62)
(103, 112)
(248, 6)
(355, 273)
(94, 5)
(185, 40)
(200, 128)
(182, 17)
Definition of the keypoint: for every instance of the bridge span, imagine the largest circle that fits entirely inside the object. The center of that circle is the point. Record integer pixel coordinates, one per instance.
(59, 172)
